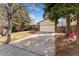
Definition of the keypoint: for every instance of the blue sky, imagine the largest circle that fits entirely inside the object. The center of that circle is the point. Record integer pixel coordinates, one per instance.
(36, 11)
(62, 21)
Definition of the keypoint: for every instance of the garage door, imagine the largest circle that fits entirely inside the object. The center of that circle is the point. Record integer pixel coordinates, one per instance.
(47, 29)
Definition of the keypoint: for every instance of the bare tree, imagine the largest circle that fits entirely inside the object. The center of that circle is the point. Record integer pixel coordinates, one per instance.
(11, 10)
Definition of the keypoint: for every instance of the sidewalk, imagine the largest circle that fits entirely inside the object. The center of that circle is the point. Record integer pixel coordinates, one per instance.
(32, 36)
(60, 34)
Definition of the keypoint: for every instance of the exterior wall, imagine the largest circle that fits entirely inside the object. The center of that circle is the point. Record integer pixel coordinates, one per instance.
(47, 26)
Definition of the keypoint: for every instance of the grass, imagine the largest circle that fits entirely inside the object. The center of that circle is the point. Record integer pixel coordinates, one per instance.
(16, 36)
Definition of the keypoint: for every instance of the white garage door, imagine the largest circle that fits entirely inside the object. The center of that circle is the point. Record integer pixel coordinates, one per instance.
(47, 29)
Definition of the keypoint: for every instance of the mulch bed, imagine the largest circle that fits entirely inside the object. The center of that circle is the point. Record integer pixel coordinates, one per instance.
(64, 47)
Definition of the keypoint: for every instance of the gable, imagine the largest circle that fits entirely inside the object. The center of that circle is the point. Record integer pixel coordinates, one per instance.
(46, 22)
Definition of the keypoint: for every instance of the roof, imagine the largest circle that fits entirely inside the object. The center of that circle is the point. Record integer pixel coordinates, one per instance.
(40, 21)
(45, 18)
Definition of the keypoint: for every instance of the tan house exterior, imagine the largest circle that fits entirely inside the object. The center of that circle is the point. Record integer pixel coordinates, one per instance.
(46, 26)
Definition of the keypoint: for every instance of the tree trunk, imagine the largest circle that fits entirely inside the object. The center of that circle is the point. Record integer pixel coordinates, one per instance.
(22, 27)
(55, 26)
(68, 26)
(77, 29)
(9, 29)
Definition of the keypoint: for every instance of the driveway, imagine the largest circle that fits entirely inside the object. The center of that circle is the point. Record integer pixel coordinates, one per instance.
(39, 44)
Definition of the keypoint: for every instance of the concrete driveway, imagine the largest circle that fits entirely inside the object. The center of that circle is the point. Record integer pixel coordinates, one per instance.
(39, 44)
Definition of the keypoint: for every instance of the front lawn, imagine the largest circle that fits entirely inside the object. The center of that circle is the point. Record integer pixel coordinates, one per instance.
(16, 36)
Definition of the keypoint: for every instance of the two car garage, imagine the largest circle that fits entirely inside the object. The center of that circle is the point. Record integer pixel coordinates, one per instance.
(46, 26)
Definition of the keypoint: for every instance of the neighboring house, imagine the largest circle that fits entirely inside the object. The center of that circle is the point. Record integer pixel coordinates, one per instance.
(46, 26)
(34, 27)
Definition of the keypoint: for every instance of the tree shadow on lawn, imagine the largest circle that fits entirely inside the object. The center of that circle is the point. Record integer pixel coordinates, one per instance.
(64, 47)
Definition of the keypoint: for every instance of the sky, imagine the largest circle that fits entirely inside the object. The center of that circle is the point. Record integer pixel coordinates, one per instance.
(62, 21)
(36, 11)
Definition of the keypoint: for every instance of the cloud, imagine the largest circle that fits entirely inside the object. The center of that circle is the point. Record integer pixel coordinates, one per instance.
(40, 20)
(33, 19)
(32, 16)
(34, 7)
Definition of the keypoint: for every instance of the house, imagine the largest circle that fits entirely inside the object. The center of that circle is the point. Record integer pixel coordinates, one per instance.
(34, 27)
(46, 25)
